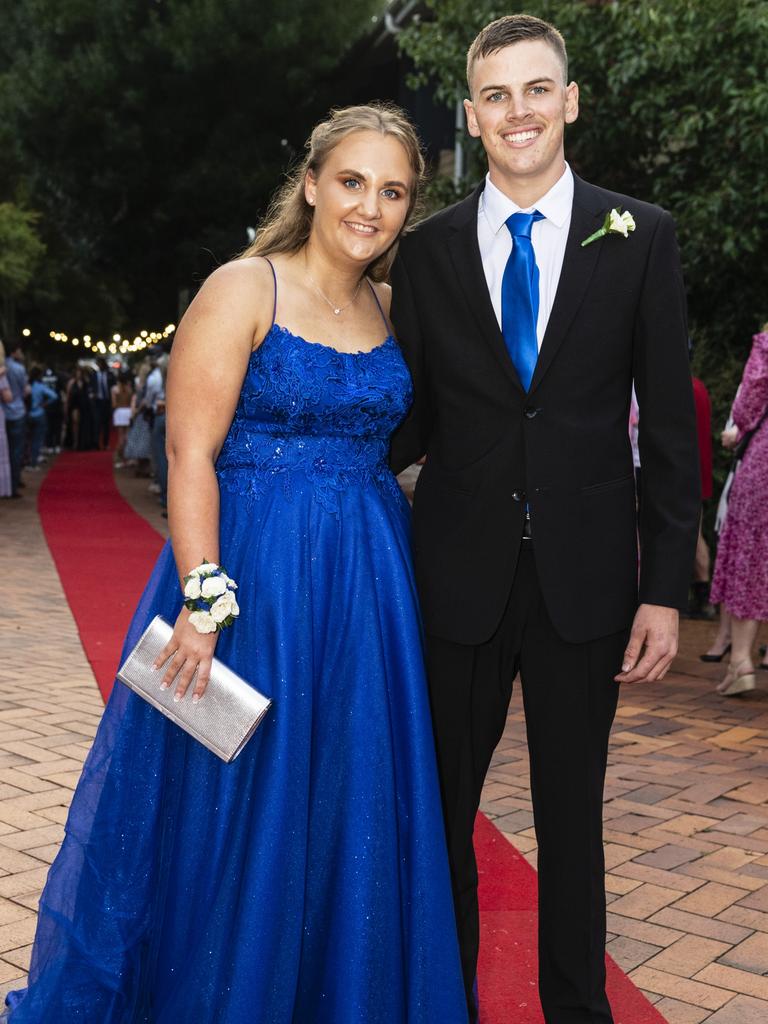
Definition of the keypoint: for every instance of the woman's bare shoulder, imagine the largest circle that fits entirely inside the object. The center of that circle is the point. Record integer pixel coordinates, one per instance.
(249, 279)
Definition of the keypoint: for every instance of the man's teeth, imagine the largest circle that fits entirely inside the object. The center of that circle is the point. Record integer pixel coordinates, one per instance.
(363, 229)
(521, 136)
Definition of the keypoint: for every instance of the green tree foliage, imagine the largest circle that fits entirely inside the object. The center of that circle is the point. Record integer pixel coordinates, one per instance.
(20, 253)
(149, 131)
(674, 110)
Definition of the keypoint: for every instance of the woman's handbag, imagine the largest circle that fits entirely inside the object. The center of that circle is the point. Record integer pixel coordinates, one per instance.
(226, 716)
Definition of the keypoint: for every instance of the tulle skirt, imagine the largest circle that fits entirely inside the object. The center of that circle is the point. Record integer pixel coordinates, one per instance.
(306, 882)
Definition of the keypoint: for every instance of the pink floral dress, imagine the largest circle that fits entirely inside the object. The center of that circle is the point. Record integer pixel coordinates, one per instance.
(740, 581)
(5, 462)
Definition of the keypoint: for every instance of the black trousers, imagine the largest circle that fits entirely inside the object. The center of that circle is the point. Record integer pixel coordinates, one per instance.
(570, 698)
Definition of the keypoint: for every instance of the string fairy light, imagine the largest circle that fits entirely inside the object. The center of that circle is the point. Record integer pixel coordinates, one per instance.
(118, 345)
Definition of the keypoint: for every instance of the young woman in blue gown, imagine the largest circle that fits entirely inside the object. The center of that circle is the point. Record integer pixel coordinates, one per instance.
(307, 882)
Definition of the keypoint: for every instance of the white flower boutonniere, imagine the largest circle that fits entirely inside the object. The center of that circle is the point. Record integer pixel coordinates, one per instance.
(615, 223)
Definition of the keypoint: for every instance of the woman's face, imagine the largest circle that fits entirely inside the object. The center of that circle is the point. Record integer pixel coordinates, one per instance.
(361, 196)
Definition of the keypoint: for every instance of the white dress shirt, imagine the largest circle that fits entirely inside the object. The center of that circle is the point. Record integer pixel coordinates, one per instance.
(548, 238)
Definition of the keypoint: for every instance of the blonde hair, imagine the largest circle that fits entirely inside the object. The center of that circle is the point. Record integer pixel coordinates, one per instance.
(288, 221)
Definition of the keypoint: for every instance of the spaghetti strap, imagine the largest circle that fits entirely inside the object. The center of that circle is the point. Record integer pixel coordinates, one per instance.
(376, 300)
(274, 304)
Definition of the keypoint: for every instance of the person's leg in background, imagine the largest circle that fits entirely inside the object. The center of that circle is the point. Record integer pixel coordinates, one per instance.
(105, 422)
(699, 606)
(37, 427)
(17, 436)
(159, 457)
(740, 676)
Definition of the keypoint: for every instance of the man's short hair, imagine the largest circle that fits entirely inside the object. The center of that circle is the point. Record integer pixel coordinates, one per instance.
(515, 28)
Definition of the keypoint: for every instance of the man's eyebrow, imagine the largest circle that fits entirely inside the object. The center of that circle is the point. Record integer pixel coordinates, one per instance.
(359, 174)
(505, 88)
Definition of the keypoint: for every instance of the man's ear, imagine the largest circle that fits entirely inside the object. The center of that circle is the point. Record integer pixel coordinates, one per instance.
(310, 188)
(472, 126)
(571, 103)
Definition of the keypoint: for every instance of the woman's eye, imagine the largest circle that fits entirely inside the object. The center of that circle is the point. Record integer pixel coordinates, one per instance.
(391, 193)
(351, 183)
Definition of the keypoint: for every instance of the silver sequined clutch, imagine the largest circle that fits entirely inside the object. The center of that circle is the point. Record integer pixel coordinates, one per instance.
(226, 716)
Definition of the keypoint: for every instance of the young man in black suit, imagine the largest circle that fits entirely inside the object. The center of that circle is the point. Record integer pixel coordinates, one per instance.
(523, 345)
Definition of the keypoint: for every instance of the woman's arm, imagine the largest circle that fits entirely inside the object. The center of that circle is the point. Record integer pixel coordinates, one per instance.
(210, 356)
(751, 400)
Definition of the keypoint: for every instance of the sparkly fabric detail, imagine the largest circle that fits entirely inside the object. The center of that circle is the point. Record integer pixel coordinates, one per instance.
(312, 410)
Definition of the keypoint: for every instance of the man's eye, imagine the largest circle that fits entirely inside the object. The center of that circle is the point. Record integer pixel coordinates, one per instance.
(539, 90)
(495, 97)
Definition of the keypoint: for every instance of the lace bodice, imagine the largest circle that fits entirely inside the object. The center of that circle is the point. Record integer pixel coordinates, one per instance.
(309, 409)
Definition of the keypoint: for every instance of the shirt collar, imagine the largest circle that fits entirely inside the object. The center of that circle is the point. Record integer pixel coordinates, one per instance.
(555, 205)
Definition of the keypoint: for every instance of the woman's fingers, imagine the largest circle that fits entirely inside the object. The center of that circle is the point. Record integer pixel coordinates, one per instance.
(185, 654)
(203, 675)
(185, 679)
(170, 648)
(172, 669)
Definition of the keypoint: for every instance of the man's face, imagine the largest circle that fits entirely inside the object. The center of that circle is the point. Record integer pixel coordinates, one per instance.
(519, 108)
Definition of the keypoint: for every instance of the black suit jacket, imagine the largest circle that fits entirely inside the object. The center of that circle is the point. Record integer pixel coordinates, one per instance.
(619, 315)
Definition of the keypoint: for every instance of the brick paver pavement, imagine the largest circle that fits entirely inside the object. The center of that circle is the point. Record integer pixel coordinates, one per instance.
(686, 803)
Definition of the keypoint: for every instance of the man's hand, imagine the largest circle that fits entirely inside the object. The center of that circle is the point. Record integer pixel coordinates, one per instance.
(652, 645)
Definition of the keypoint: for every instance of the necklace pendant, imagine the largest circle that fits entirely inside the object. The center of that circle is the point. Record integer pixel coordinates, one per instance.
(336, 311)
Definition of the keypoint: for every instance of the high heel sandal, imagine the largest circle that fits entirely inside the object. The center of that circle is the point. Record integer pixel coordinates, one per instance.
(715, 657)
(735, 682)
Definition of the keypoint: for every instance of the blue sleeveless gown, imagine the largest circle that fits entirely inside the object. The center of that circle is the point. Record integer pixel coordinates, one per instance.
(307, 882)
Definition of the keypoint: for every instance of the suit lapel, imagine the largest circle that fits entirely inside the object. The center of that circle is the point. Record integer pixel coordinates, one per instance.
(589, 209)
(468, 265)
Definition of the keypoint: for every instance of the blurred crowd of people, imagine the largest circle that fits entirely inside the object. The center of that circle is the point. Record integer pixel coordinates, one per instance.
(45, 409)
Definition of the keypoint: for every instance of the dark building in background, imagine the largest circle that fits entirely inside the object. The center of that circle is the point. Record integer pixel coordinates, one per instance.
(374, 69)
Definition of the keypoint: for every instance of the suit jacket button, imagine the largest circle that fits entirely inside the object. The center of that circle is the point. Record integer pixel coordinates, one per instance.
(531, 412)
(517, 496)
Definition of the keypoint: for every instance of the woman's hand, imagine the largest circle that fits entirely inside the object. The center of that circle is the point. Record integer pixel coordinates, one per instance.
(730, 438)
(192, 651)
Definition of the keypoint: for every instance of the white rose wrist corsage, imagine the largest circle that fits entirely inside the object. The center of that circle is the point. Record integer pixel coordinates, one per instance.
(210, 596)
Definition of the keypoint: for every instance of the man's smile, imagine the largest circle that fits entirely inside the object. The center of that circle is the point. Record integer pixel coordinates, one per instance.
(521, 136)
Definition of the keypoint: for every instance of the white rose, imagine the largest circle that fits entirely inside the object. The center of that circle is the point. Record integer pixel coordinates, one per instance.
(213, 586)
(203, 622)
(206, 567)
(231, 584)
(617, 223)
(629, 220)
(225, 606)
(192, 588)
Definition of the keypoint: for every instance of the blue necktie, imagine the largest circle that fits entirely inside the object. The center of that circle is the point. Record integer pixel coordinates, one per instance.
(520, 297)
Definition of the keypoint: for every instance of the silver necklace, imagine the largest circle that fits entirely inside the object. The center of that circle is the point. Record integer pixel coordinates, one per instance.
(337, 310)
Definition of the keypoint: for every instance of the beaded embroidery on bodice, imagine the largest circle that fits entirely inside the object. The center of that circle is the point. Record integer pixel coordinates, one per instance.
(311, 409)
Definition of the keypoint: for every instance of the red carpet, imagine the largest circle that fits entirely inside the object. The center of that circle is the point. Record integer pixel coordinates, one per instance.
(103, 550)
(104, 553)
